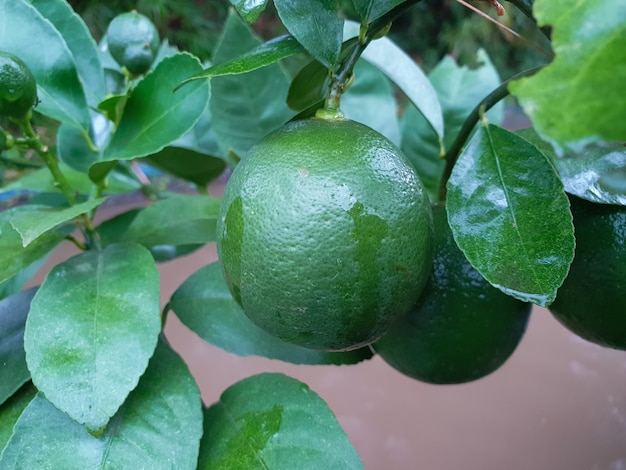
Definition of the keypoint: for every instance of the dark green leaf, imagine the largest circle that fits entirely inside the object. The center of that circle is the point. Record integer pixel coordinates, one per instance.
(92, 327)
(245, 108)
(263, 55)
(40, 45)
(158, 427)
(188, 164)
(34, 221)
(372, 9)
(179, 220)
(80, 43)
(154, 116)
(459, 89)
(316, 25)
(510, 216)
(14, 284)
(405, 73)
(13, 255)
(11, 410)
(250, 10)
(271, 422)
(205, 305)
(13, 370)
(576, 100)
(73, 148)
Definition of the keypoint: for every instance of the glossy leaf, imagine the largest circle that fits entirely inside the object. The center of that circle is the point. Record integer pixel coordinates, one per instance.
(316, 25)
(188, 164)
(370, 101)
(250, 10)
(245, 108)
(80, 43)
(584, 174)
(154, 116)
(372, 9)
(575, 100)
(205, 305)
(510, 216)
(459, 90)
(61, 93)
(13, 370)
(406, 74)
(179, 220)
(158, 427)
(11, 410)
(74, 150)
(92, 327)
(271, 422)
(37, 220)
(13, 255)
(265, 54)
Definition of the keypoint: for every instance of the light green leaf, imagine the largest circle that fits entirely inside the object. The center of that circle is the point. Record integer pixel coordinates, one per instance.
(11, 410)
(91, 329)
(247, 107)
(250, 10)
(263, 55)
(14, 284)
(26, 33)
(13, 370)
(316, 25)
(271, 421)
(34, 221)
(205, 305)
(459, 90)
(158, 427)
(578, 98)
(510, 215)
(405, 73)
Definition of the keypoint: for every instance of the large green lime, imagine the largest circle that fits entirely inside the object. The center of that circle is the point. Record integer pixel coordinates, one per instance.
(324, 234)
(18, 89)
(133, 41)
(462, 328)
(592, 300)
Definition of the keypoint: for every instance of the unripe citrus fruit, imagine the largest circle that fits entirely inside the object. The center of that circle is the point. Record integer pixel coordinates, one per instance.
(324, 234)
(133, 41)
(592, 300)
(18, 88)
(462, 328)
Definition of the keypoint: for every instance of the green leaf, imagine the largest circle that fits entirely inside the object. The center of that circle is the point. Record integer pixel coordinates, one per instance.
(372, 9)
(189, 165)
(74, 150)
(250, 10)
(34, 221)
(179, 220)
(575, 100)
(80, 43)
(15, 284)
(13, 370)
(271, 421)
(35, 40)
(13, 255)
(459, 90)
(245, 108)
(11, 410)
(316, 25)
(92, 327)
(263, 55)
(205, 305)
(154, 116)
(510, 216)
(405, 73)
(584, 174)
(158, 427)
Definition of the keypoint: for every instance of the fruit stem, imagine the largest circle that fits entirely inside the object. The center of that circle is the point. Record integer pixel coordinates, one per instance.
(453, 153)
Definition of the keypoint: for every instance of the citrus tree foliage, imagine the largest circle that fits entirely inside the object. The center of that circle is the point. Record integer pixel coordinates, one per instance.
(87, 378)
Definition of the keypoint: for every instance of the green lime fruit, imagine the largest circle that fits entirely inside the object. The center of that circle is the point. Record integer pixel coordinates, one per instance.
(18, 88)
(462, 328)
(591, 302)
(325, 234)
(133, 41)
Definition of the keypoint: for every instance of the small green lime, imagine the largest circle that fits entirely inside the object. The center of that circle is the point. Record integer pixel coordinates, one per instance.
(592, 300)
(18, 88)
(133, 41)
(324, 234)
(462, 328)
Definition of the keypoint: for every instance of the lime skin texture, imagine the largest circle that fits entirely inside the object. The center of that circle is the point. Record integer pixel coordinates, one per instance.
(18, 88)
(325, 234)
(133, 41)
